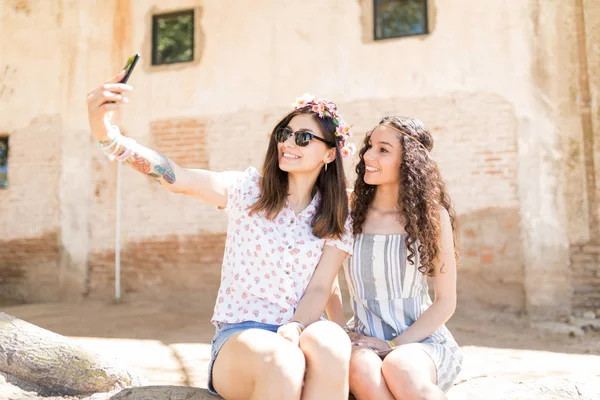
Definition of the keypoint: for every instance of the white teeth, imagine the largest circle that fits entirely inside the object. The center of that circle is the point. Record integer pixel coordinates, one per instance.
(287, 155)
(371, 169)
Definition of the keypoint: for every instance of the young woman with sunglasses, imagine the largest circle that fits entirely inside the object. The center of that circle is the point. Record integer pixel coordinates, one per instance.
(289, 233)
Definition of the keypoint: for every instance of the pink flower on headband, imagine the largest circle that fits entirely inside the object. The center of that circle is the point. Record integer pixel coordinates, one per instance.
(319, 109)
(303, 101)
(345, 151)
(325, 108)
(344, 130)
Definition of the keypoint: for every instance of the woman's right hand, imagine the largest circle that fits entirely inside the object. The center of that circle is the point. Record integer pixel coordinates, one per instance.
(102, 103)
(290, 331)
(373, 343)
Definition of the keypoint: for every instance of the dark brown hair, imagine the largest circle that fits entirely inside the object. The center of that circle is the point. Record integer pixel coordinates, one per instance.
(421, 196)
(332, 210)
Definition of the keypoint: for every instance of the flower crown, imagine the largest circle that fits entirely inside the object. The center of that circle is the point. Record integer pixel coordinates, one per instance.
(325, 108)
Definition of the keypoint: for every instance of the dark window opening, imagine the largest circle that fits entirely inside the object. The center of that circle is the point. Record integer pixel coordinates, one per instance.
(173, 37)
(399, 18)
(3, 162)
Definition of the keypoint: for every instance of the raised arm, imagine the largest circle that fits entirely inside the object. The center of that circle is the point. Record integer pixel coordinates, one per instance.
(102, 103)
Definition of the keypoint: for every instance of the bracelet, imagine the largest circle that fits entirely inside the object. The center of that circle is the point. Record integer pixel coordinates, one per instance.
(127, 144)
(105, 148)
(125, 155)
(113, 133)
(112, 154)
(299, 325)
(391, 343)
(119, 142)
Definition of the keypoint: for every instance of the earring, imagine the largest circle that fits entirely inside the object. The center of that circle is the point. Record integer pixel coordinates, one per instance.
(326, 167)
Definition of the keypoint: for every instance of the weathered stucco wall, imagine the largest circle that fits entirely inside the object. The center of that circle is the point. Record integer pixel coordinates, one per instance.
(500, 94)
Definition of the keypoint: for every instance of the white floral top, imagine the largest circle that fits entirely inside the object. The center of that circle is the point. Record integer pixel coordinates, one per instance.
(267, 264)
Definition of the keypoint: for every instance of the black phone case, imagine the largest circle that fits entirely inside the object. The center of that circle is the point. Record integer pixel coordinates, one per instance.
(129, 66)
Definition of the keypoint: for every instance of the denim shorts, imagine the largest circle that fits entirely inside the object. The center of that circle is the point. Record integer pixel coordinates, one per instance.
(223, 333)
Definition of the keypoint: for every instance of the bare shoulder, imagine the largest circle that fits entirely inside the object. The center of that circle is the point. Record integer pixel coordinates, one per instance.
(446, 230)
(444, 216)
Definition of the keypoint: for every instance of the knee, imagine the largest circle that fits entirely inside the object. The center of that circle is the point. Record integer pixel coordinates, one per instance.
(362, 369)
(326, 344)
(405, 382)
(327, 341)
(357, 368)
(285, 364)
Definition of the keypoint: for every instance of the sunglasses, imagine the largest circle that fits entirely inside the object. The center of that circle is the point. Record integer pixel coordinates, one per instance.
(302, 138)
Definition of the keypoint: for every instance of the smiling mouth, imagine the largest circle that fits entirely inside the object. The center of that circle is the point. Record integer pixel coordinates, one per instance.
(290, 156)
(371, 169)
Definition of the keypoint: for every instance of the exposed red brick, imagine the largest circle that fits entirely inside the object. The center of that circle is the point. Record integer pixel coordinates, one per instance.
(168, 264)
(470, 233)
(585, 276)
(28, 263)
(182, 140)
(487, 258)
(582, 257)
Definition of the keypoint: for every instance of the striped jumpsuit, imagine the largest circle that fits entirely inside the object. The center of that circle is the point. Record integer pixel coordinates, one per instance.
(389, 294)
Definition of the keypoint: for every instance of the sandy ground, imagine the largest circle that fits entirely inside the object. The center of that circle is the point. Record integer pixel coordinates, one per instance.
(168, 341)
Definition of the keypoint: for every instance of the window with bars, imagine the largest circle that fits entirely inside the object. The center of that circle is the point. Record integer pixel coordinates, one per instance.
(399, 18)
(173, 37)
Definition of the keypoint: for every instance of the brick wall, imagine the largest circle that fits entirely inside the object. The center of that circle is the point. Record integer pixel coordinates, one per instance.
(164, 235)
(169, 242)
(184, 140)
(161, 266)
(478, 163)
(475, 136)
(585, 276)
(30, 214)
(29, 268)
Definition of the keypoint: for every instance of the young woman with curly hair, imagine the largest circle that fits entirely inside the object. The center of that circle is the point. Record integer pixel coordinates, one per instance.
(404, 229)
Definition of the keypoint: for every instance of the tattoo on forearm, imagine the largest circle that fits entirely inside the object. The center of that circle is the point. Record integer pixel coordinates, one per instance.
(155, 165)
(165, 169)
(141, 164)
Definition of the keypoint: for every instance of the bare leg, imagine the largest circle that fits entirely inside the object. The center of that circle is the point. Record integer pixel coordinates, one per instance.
(411, 374)
(366, 379)
(327, 350)
(259, 365)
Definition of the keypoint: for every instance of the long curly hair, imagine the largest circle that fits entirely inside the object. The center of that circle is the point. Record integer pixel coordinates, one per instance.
(421, 195)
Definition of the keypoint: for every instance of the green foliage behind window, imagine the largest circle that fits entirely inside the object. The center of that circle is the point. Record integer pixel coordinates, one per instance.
(397, 18)
(173, 38)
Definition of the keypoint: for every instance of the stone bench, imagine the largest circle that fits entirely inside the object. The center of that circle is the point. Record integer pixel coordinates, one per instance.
(38, 364)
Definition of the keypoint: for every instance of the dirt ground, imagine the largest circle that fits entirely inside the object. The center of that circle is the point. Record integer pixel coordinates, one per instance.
(167, 340)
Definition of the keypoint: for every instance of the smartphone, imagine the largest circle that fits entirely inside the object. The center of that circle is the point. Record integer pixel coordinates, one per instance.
(129, 65)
